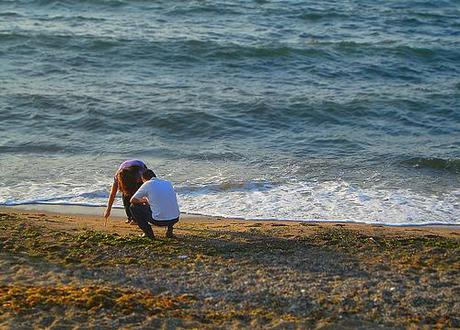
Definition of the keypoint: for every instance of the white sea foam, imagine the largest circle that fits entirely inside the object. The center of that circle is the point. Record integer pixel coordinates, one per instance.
(329, 201)
(325, 201)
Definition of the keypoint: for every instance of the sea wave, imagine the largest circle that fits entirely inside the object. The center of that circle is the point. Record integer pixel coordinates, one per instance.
(316, 15)
(204, 8)
(212, 49)
(319, 201)
(328, 200)
(72, 3)
(36, 147)
(450, 165)
(10, 14)
(79, 115)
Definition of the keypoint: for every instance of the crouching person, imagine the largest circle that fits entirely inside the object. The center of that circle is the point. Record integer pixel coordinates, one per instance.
(155, 202)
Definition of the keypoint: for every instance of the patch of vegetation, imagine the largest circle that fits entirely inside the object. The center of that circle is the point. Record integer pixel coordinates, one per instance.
(22, 298)
(273, 261)
(352, 240)
(406, 252)
(95, 248)
(100, 238)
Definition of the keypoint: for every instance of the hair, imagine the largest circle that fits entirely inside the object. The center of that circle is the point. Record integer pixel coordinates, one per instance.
(128, 180)
(148, 174)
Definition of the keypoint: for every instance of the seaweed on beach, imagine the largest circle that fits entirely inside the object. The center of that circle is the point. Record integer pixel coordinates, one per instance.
(218, 274)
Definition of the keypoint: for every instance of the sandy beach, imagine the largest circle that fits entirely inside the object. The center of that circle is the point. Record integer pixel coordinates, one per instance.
(66, 270)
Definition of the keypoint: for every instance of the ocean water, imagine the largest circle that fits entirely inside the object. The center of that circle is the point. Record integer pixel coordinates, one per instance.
(326, 110)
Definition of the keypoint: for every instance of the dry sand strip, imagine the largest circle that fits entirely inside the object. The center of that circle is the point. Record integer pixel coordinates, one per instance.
(69, 271)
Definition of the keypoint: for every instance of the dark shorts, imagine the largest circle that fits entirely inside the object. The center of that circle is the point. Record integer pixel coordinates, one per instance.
(164, 223)
(143, 217)
(143, 213)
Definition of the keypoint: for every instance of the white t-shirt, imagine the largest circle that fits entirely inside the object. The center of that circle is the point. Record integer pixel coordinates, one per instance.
(162, 199)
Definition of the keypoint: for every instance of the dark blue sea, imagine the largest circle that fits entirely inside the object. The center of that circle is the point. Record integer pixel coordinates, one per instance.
(328, 110)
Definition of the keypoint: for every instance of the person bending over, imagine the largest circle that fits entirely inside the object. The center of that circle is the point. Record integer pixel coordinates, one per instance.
(127, 179)
(155, 202)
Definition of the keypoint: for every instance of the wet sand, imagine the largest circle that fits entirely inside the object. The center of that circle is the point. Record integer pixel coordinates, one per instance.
(66, 270)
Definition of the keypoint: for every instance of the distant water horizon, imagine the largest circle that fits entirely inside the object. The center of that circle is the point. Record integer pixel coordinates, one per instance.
(295, 110)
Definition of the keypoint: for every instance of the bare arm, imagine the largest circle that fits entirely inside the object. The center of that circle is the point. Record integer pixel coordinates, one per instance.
(135, 200)
(140, 197)
(113, 193)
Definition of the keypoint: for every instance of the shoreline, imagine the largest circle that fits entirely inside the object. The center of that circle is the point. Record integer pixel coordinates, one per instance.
(91, 218)
(118, 212)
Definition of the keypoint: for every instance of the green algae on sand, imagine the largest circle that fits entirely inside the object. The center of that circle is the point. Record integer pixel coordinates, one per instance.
(222, 274)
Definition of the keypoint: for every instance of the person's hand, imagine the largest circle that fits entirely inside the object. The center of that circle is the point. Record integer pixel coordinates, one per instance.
(106, 216)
